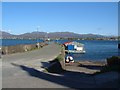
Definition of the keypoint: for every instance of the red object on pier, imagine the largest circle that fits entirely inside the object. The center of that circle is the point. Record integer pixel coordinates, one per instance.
(66, 43)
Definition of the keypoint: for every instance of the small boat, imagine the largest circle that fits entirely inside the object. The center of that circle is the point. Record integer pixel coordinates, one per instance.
(74, 47)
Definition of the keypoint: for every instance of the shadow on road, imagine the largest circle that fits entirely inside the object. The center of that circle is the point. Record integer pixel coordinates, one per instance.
(94, 67)
(61, 79)
(70, 79)
(44, 64)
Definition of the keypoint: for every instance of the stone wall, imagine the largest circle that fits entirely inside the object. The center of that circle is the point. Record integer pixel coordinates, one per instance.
(58, 66)
(62, 62)
(20, 48)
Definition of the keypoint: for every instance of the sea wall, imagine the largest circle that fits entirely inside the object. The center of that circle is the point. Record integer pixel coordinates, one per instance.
(58, 64)
(62, 62)
(21, 48)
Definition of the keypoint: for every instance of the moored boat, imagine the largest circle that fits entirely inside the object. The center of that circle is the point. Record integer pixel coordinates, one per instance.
(74, 47)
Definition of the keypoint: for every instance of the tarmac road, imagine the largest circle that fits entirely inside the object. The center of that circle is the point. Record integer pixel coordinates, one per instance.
(15, 77)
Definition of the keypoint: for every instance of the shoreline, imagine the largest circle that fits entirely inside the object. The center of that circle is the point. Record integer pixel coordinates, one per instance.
(59, 39)
(96, 63)
(92, 61)
(87, 63)
(51, 40)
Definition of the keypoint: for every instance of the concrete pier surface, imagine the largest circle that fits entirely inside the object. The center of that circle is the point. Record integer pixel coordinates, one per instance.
(25, 70)
(13, 75)
(35, 58)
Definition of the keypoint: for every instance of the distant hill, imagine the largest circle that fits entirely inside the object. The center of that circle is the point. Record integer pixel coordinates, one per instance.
(50, 35)
(32, 35)
(73, 35)
(5, 35)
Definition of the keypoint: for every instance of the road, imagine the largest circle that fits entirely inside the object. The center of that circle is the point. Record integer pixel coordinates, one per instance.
(13, 76)
(25, 70)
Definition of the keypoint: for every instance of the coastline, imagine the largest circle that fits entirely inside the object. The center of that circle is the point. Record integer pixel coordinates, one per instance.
(86, 62)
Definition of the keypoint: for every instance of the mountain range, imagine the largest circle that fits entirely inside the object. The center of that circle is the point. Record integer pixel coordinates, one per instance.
(50, 35)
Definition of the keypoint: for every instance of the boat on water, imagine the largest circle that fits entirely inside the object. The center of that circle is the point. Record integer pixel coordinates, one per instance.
(74, 47)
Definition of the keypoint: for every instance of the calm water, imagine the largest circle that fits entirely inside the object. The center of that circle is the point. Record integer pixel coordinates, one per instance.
(95, 50)
(11, 42)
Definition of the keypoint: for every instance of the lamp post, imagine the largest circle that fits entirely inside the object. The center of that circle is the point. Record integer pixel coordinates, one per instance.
(38, 45)
(38, 34)
(47, 36)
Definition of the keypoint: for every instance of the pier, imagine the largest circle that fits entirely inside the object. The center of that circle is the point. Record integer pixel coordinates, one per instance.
(25, 70)
(16, 77)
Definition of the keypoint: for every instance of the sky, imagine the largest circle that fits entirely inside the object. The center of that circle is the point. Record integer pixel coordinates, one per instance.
(78, 17)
